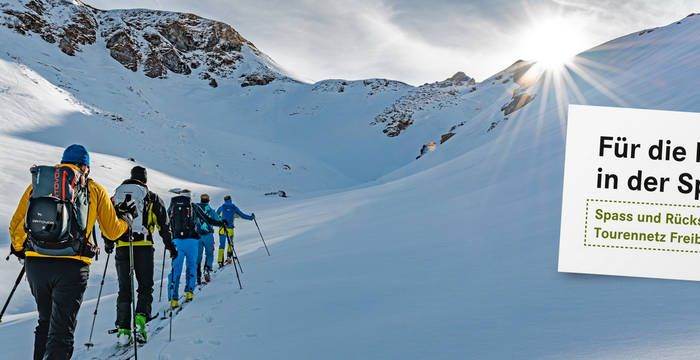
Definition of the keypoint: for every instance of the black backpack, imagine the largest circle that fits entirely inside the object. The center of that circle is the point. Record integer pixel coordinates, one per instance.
(57, 211)
(181, 217)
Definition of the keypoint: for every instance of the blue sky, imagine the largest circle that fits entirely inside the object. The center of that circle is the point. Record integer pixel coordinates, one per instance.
(420, 41)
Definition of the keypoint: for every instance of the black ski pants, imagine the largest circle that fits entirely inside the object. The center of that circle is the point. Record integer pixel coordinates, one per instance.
(58, 286)
(143, 271)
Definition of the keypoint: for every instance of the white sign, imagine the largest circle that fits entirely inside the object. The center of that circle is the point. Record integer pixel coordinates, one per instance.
(631, 201)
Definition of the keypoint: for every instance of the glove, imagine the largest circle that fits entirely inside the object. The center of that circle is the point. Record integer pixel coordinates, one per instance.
(225, 223)
(252, 215)
(18, 254)
(172, 249)
(167, 238)
(109, 246)
(127, 211)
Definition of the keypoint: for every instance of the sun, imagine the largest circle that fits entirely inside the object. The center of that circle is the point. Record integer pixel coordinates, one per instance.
(552, 43)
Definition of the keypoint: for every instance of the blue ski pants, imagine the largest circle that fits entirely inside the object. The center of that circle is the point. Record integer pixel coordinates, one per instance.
(186, 253)
(206, 245)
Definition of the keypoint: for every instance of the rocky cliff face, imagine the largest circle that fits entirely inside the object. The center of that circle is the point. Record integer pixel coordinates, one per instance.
(154, 42)
(438, 95)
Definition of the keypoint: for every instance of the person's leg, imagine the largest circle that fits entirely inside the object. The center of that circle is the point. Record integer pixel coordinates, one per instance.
(67, 296)
(222, 240)
(39, 284)
(191, 258)
(121, 260)
(174, 277)
(230, 245)
(209, 249)
(222, 244)
(200, 252)
(143, 259)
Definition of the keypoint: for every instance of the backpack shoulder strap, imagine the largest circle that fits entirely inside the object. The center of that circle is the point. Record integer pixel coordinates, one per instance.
(150, 217)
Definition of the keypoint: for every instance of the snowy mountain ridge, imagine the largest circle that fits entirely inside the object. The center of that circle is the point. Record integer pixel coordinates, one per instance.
(154, 42)
(159, 42)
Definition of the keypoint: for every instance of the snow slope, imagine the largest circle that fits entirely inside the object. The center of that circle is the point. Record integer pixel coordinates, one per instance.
(376, 254)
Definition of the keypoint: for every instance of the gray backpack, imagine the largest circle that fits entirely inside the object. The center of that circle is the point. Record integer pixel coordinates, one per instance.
(137, 193)
(57, 212)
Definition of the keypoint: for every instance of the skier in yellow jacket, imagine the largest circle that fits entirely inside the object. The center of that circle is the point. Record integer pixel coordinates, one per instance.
(52, 231)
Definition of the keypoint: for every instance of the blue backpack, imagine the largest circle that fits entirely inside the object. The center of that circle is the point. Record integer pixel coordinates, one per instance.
(202, 227)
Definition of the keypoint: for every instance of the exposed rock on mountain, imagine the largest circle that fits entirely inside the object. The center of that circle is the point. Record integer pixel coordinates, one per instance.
(517, 102)
(399, 115)
(458, 79)
(256, 79)
(371, 86)
(157, 42)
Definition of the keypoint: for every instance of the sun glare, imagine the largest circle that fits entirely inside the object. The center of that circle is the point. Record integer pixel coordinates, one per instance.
(553, 43)
(548, 44)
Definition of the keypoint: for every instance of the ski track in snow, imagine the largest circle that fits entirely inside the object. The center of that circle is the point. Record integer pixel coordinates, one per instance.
(374, 255)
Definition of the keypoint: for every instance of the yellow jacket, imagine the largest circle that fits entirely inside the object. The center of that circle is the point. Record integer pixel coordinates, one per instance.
(100, 210)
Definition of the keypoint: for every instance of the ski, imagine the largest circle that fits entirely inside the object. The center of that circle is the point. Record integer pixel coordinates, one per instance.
(123, 350)
(152, 317)
(115, 330)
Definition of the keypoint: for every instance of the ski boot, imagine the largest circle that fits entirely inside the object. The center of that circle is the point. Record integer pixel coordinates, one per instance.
(174, 304)
(207, 274)
(221, 264)
(140, 335)
(189, 296)
(126, 339)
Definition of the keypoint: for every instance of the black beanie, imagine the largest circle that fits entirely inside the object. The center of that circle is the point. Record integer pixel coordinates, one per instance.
(138, 173)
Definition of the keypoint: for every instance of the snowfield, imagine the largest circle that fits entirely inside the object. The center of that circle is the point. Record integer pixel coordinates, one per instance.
(375, 254)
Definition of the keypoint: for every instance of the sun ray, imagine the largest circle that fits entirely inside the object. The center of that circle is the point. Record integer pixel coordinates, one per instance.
(571, 84)
(598, 84)
(584, 61)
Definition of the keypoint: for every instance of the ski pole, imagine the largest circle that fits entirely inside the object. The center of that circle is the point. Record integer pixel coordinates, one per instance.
(162, 271)
(235, 256)
(170, 335)
(263, 239)
(19, 278)
(171, 291)
(133, 290)
(234, 265)
(133, 295)
(99, 294)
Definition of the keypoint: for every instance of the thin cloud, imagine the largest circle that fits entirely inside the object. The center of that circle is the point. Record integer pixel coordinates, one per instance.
(409, 40)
